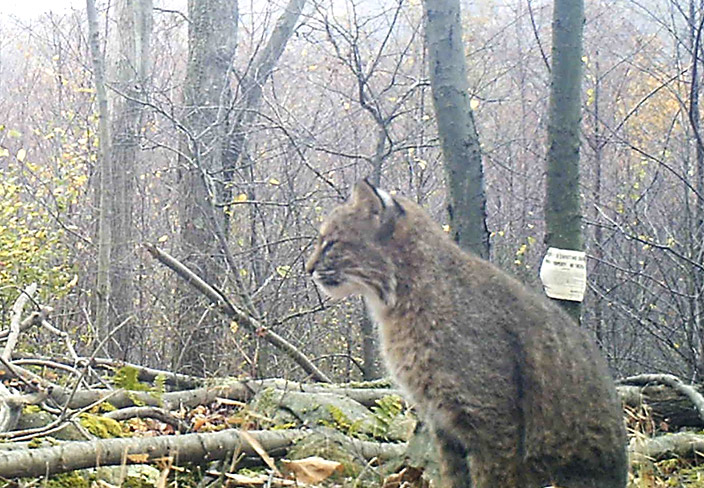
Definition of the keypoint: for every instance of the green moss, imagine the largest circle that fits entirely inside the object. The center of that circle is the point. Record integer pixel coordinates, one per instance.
(100, 426)
(35, 443)
(380, 383)
(31, 409)
(385, 412)
(74, 479)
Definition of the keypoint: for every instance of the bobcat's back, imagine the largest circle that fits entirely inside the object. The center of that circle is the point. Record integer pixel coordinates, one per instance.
(501, 373)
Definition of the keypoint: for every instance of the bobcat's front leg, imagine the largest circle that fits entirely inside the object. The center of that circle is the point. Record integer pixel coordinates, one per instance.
(453, 460)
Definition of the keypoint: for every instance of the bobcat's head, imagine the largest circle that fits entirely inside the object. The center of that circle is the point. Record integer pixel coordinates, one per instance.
(351, 256)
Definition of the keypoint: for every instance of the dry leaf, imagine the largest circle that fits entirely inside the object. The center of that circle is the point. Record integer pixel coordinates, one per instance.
(408, 477)
(260, 450)
(199, 422)
(138, 458)
(313, 469)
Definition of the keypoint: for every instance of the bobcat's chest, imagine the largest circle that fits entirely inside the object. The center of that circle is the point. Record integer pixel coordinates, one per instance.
(408, 357)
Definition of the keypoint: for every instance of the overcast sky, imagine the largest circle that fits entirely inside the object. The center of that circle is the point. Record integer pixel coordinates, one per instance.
(27, 9)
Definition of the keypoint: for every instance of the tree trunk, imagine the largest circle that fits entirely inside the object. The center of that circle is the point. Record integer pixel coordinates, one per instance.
(563, 217)
(456, 128)
(103, 187)
(252, 84)
(697, 249)
(212, 34)
(134, 30)
(682, 445)
(599, 242)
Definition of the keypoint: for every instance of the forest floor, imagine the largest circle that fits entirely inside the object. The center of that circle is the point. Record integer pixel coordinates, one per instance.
(148, 429)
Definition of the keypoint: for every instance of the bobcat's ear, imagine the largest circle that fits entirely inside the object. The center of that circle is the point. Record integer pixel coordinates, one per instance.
(381, 203)
(364, 195)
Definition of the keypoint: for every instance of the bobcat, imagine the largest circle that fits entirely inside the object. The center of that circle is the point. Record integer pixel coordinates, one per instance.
(515, 393)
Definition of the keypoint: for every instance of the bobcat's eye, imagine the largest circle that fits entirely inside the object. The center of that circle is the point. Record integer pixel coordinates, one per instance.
(327, 244)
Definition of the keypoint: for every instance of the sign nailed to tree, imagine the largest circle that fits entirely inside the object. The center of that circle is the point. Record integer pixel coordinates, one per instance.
(564, 274)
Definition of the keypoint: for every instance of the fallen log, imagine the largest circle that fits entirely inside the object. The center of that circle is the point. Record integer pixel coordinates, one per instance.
(360, 394)
(232, 390)
(666, 404)
(680, 445)
(188, 448)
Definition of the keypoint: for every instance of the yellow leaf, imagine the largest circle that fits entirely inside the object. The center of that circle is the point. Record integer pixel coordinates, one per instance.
(163, 238)
(21, 154)
(254, 443)
(242, 197)
(283, 270)
(312, 470)
(274, 181)
(4, 152)
(446, 228)
(474, 104)
(14, 133)
(138, 458)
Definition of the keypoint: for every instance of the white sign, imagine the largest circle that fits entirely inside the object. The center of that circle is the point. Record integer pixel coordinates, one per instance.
(564, 274)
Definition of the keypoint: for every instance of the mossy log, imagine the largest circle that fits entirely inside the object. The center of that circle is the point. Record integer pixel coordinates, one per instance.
(188, 448)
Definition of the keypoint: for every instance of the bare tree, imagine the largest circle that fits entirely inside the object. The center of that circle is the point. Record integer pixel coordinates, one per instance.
(563, 215)
(104, 186)
(456, 126)
(131, 77)
(212, 37)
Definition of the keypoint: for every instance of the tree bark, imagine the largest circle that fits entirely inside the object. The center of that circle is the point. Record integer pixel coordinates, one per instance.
(253, 83)
(563, 216)
(695, 241)
(104, 182)
(134, 33)
(456, 127)
(212, 35)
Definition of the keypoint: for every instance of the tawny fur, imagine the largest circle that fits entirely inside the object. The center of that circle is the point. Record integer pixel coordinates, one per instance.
(503, 376)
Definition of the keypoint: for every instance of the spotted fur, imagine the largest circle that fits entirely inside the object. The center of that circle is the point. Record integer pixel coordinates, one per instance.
(504, 377)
